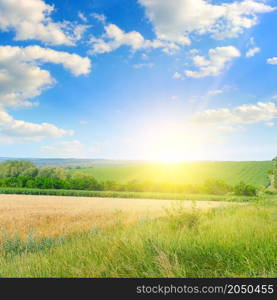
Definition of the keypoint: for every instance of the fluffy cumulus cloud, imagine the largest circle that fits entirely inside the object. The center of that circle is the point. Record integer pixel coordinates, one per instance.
(114, 38)
(12, 130)
(216, 62)
(31, 20)
(22, 78)
(272, 61)
(177, 20)
(239, 116)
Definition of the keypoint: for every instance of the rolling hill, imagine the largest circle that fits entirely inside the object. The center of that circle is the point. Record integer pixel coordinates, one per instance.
(251, 172)
(232, 172)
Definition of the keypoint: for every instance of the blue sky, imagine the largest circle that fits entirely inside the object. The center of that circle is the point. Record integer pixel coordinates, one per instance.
(138, 79)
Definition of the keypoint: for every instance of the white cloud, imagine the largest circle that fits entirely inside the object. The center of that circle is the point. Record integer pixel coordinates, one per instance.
(144, 56)
(174, 98)
(79, 31)
(252, 52)
(218, 59)
(143, 65)
(82, 16)
(272, 61)
(177, 75)
(270, 124)
(114, 38)
(67, 149)
(193, 51)
(83, 122)
(177, 20)
(239, 116)
(22, 78)
(12, 130)
(99, 17)
(31, 19)
(252, 41)
(215, 92)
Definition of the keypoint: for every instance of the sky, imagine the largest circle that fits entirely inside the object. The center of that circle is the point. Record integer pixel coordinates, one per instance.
(138, 79)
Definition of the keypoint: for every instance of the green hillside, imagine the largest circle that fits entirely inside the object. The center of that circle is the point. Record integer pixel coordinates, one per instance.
(251, 172)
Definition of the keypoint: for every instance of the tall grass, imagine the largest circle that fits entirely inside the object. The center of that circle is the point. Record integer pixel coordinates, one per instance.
(14, 245)
(236, 241)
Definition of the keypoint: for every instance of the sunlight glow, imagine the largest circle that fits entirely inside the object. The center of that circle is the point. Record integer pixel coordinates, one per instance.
(171, 143)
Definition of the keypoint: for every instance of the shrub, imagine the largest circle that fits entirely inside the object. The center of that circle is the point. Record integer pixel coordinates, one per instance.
(243, 189)
(271, 191)
(217, 187)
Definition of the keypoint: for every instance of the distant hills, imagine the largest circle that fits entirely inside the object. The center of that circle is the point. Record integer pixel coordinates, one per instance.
(197, 172)
(75, 162)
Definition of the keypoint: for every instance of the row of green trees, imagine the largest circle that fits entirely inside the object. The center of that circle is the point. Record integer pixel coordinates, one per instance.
(24, 174)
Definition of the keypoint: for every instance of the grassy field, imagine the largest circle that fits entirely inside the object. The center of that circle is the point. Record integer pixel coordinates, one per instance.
(252, 172)
(118, 238)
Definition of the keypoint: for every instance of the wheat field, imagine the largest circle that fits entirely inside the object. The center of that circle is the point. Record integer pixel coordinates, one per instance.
(57, 237)
(55, 215)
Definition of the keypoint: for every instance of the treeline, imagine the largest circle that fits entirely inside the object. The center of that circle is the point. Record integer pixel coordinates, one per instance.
(24, 174)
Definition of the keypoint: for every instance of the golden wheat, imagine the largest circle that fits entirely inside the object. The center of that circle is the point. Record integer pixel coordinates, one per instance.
(55, 215)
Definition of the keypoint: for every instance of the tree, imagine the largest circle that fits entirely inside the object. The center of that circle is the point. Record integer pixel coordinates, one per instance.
(52, 172)
(30, 172)
(15, 168)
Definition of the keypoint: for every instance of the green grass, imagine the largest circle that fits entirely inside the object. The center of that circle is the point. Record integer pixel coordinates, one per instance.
(251, 172)
(129, 195)
(237, 241)
(13, 246)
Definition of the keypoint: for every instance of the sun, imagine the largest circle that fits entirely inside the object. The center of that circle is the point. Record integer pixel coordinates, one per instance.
(170, 144)
(169, 140)
(172, 149)
(171, 156)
